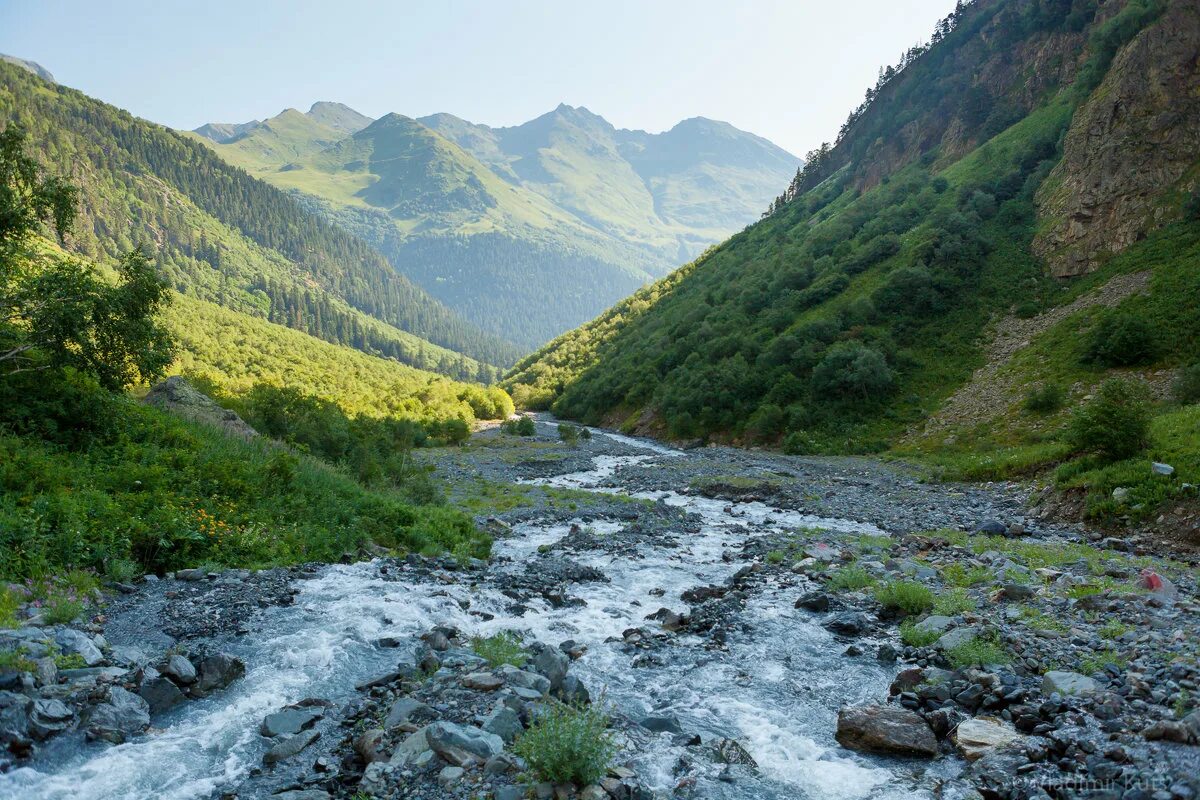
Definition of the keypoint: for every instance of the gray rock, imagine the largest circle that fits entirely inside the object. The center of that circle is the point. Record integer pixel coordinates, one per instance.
(992, 527)
(290, 720)
(956, 637)
(408, 750)
(976, 737)
(1120, 494)
(406, 709)
(216, 672)
(934, 624)
(1067, 683)
(290, 746)
(550, 662)
(180, 670)
(73, 642)
(449, 776)
(730, 751)
(847, 623)
(460, 744)
(885, 729)
(483, 681)
(159, 692)
(1161, 469)
(504, 722)
(302, 794)
(124, 715)
(525, 679)
(47, 671)
(48, 717)
(662, 724)
(573, 691)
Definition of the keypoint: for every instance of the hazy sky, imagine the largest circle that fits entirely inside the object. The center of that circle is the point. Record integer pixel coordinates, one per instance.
(787, 70)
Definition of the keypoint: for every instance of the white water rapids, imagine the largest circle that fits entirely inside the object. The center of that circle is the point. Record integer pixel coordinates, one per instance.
(776, 689)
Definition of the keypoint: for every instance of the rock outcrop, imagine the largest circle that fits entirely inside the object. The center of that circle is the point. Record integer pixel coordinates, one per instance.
(179, 397)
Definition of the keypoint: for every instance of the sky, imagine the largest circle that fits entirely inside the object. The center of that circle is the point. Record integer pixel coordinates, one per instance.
(789, 70)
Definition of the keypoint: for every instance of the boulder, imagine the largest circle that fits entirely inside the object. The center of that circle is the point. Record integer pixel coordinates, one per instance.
(504, 722)
(956, 637)
(159, 692)
(180, 670)
(814, 601)
(462, 744)
(992, 527)
(124, 715)
(412, 747)
(1067, 683)
(730, 751)
(885, 729)
(216, 672)
(406, 709)
(525, 679)
(549, 662)
(289, 746)
(483, 681)
(290, 720)
(662, 724)
(847, 623)
(974, 738)
(73, 642)
(48, 717)
(934, 623)
(449, 776)
(573, 692)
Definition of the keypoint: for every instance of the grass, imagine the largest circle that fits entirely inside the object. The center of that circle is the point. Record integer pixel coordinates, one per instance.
(977, 652)
(963, 577)
(851, 578)
(1040, 620)
(953, 602)
(1114, 629)
(499, 649)
(908, 597)
(568, 744)
(1096, 661)
(16, 660)
(915, 637)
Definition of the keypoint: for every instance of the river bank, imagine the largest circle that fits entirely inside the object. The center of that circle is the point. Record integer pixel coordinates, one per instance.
(726, 607)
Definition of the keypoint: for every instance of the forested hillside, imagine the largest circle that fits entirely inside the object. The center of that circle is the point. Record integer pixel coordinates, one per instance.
(525, 230)
(222, 236)
(1022, 146)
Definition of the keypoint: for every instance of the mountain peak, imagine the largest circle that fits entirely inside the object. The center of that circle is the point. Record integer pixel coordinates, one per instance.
(29, 66)
(338, 116)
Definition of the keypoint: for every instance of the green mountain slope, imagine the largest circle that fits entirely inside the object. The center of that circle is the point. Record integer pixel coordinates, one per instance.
(1022, 146)
(223, 236)
(526, 230)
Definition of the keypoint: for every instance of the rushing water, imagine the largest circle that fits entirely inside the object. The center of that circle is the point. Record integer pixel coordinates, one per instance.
(775, 689)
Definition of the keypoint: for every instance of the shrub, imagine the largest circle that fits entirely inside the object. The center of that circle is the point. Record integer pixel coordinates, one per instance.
(766, 423)
(10, 603)
(852, 577)
(520, 426)
(567, 744)
(501, 648)
(909, 597)
(1045, 398)
(852, 370)
(1120, 339)
(958, 575)
(915, 637)
(568, 433)
(1115, 423)
(977, 652)
(1186, 387)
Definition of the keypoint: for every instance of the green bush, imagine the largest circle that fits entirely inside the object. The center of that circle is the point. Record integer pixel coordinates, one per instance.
(953, 602)
(852, 578)
(1115, 423)
(500, 648)
(1121, 339)
(567, 744)
(908, 597)
(569, 434)
(958, 575)
(977, 652)
(914, 637)
(1045, 398)
(519, 426)
(853, 371)
(1186, 387)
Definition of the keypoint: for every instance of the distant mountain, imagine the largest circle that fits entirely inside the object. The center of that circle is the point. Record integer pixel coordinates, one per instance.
(526, 230)
(29, 66)
(224, 131)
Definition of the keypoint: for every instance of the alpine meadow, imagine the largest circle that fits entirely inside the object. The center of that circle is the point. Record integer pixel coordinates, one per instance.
(414, 441)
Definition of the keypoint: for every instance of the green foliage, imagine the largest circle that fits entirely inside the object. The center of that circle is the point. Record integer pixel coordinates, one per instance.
(851, 578)
(568, 433)
(519, 426)
(954, 602)
(908, 597)
(69, 661)
(16, 660)
(961, 576)
(1115, 424)
(499, 649)
(978, 652)
(1186, 387)
(1045, 398)
(1121, 339)
(568, 745)
(1114, 629)
(852, 370)
(915, 637)
(28, 197)
(10, 603)
(149, 488)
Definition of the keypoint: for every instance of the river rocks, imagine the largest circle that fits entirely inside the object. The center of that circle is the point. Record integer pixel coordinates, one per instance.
(289, 746)
(73, 642)
(290, 720)
(122, 716)
(180, 670)
(661, 724)
(1067, 683)
(730, 751)
(814, 601)
(216, 672)
(848, 623)
(48, 717)
(974, 738)
(504, 722)
(407, 709)
(159, 692)
(550, 662)
(483, 681)
(462, 744)
(885, 729)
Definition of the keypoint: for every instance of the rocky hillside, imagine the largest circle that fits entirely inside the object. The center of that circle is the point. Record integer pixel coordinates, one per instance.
(1030, 142)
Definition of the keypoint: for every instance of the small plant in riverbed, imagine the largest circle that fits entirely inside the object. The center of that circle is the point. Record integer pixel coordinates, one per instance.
(909, 597)
(500, 648)
(955, 601)
(1096, 661)
(776, 557)
(568, 744)
(16, 661)
(569, 434)
(978, 652)
(851, 578)
(963, 577)
(69, 661)
(1182, 704)
(1114, 629)
(913, 636)
(519, 426)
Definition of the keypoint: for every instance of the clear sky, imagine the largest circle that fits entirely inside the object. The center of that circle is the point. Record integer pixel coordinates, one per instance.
(790, 70)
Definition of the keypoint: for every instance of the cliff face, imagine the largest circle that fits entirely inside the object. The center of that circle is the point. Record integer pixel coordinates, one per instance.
(1132, 146)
